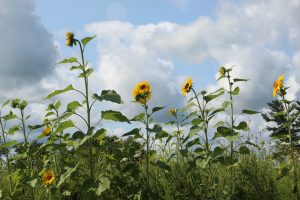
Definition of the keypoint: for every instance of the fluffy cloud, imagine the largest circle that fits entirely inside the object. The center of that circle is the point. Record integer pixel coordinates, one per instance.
(260, 37)
(27, 52)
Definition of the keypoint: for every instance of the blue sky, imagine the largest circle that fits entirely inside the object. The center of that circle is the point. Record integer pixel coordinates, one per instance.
(58, 14)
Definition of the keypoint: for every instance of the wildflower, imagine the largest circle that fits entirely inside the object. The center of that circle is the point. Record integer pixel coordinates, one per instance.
(142, 92)
(173, 111)
(47, 130)
(222, 71)
(48, 177)
(187, 86)
(277, 84)
(70, 41)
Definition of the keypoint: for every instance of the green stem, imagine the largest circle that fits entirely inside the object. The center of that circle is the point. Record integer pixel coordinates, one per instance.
(147, 141)
(7, 156)
(88, 110)
(231, 113)
(287, 108)
(204, 121)
(23, 127)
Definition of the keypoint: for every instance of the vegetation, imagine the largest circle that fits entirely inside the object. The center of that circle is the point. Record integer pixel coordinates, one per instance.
(201, 158)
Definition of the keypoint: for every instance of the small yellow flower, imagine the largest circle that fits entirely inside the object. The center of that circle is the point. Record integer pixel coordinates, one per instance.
(172, 111)
(277, 84)
(70, 39)
(48, 177)
(142, 92)
(187, 86)
(222, 71)
(47, 130)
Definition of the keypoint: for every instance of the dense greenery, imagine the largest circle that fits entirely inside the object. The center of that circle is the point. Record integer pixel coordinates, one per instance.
(200, 158)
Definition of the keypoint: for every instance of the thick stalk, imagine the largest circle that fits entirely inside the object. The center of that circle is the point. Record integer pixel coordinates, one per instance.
(7, 157)
(287, 107)
(231, 113)
(23, 127)
(88, 110)
(147, 141)
(202, 111)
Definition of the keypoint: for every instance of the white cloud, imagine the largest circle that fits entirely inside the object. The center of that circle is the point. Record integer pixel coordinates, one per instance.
(258, 37)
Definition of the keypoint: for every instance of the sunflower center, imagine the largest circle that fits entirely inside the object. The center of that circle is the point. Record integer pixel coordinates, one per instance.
(143, 87)
(187, 86)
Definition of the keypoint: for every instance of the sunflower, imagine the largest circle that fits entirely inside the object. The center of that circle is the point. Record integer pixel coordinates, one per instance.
(277, 84)
(173, 111)
(142, 92)
(48, 177)
(222, 71)
(47, 130)
(70, 41)
(187, 86)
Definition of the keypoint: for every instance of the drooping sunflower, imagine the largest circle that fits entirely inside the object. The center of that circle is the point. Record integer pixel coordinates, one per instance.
(222, 71)
(142, 92)
(70, 41)
(187, 86)
(48, 177)
(173, 111)
(47, 130)
(278, 84)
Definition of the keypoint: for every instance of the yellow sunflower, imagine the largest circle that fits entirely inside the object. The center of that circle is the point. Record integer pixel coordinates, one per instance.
(48, 177)
(142, 92)
(277, 84)
(47, 130)
(70, 39)
(172, 111)
(222, 71)
(187, 86)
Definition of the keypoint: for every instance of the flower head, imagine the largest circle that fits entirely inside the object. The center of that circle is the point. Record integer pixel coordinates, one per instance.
(277, 84)
(48, 177)
(172, 111)
(142, 92)
(187, 86)
(70, 41)
(47, 130)
(222, 71)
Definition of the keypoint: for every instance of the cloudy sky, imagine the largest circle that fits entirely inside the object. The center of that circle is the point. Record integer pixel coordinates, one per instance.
(162, 41)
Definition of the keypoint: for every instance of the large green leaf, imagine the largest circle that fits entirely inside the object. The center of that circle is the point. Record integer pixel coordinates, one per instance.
(87, 73)
(57, 92)
(103, 185)
(68, 60)
(239, 79)
(64, 125)
(9, 144)
(162, 165)
(109, 95)
(242, 126)
(140, 117)
(210, 97)
(9, 116)
(13, 129)
(155, 109)
(244, 150)
(250, 112)
(86, 40)
(218, 151)
(135, 131)
(114, 116)
(161, 134)
(73, 106)
(236, 91)
(67, 174)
